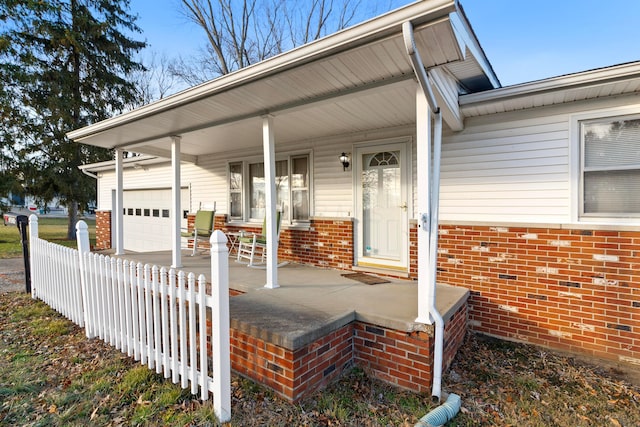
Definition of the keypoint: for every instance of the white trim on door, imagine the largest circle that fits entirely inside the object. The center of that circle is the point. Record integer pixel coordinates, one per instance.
(362, 257)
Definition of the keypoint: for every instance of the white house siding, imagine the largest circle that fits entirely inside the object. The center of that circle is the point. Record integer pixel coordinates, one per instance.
(507, 171)
(332, 188)
(517, 167)
(202, 179)
(207, 180)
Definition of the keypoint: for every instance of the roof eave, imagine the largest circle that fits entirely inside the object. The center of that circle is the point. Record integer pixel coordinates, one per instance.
(390, 23)
(565, 82)
(143, 160)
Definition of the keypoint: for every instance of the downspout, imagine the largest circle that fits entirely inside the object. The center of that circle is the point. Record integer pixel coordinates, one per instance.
(423, 81)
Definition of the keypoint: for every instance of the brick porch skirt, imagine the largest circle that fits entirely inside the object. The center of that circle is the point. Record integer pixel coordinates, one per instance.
(403, 359)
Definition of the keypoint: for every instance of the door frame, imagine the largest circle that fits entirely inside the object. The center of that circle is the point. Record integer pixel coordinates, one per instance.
(404, 145)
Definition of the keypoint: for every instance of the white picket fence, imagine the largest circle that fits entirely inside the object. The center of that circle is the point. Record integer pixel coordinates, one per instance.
(159, 316)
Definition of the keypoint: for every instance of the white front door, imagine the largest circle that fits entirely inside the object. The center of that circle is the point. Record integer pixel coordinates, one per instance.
(382, 192)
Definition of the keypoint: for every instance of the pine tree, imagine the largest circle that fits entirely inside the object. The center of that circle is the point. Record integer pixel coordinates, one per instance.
(64, 65)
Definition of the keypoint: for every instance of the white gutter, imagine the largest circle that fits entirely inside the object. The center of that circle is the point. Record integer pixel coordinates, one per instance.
(584, 79)
(86, 172)
(429, 219)
(129, 162)
(373, 29)
(418, 65)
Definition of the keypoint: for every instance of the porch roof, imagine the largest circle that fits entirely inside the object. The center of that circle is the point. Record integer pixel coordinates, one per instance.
(355, 80)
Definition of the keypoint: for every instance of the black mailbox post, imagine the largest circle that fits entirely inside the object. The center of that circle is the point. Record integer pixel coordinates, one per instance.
(22, 221)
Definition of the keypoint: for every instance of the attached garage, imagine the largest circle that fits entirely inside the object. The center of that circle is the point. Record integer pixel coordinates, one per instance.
(147, 218)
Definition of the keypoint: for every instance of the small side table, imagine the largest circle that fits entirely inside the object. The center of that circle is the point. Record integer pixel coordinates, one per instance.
(234, 240)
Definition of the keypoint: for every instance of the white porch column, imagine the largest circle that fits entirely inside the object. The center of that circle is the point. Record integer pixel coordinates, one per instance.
(423, 141)
(176, 211)
(268, 141)
(118, 215)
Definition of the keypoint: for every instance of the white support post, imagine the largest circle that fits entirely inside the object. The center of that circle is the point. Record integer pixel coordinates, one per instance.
(423, 141)
(220, 324)
(35, 258)
(176, 212)
(268, 140)
(82, 238)
(118, 215)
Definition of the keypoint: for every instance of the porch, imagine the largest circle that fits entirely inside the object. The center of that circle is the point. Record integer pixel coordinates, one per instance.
(300, 336)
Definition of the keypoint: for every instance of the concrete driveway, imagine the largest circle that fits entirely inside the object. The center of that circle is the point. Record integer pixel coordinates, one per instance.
(12, 275)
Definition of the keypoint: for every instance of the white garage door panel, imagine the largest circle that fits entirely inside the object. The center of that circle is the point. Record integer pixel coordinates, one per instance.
(145, 228)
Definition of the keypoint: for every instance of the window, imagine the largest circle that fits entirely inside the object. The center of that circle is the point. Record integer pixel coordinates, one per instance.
(300, 187)
(292, 189)
(235, 190)
(610, 167)
(256, 191)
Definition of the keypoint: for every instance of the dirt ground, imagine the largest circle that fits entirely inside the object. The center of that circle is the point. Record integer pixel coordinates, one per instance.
(12, 275)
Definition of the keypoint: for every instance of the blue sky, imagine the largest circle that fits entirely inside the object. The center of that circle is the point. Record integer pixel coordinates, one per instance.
(525, 40)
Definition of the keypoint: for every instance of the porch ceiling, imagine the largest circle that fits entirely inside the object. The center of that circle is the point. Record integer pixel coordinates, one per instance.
(358, 79)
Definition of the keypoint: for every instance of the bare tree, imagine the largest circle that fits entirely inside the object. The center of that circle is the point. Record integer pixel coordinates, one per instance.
(155, 81)
(243, 32)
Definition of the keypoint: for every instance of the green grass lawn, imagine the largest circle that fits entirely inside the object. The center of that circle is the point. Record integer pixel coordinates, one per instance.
(52, 229)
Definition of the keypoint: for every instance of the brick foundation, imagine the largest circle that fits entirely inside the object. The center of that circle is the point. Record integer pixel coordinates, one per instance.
(575, 290)
(406, 359)
(103, 230)
(400, 358)
(292, 374)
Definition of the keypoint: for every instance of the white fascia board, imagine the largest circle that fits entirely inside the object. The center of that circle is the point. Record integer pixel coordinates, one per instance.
(446, 93)
(566, 82)
(463, 29)
(420, 12)
(128, 162)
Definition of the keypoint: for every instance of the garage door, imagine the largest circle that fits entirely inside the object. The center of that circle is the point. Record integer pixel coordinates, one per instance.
(147, 218)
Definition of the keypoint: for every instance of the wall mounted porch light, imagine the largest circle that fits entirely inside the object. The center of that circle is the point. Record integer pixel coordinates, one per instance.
(344, 159)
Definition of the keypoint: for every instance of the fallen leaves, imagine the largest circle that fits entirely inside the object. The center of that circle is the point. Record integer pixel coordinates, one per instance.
(497, 379)
(61, 378)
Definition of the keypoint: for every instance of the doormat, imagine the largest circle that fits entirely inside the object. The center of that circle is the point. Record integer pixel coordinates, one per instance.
(365, 278)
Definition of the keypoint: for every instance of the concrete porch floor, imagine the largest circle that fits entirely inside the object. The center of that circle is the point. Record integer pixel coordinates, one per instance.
(311, 301)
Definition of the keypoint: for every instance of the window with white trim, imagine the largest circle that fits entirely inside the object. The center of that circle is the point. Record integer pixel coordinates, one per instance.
(235, 190)
(610, 172)
(247, 188)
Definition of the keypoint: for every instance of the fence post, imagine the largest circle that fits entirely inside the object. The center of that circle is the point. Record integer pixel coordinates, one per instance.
(220, 326)
(82, 237)
(33, 236)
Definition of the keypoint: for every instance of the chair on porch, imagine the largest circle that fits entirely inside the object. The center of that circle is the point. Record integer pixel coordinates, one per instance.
(202, 228)
(254, 246)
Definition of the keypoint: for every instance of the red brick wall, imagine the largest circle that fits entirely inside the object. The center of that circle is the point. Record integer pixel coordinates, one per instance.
(399, 358)
(292, 374)
(455, 330)
(413, 250)
(103, 230)
(576, 290)
(326, 243)
(320, 362)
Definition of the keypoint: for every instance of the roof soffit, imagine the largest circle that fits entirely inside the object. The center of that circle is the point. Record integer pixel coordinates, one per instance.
(299, 80)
